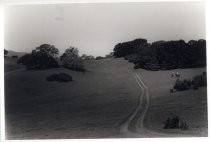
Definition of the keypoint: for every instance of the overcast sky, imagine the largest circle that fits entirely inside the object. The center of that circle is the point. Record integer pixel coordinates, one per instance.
(96, 28)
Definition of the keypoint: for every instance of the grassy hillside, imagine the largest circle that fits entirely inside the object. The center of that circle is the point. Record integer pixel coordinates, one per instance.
(93, 105)
(14, 53)
(10, 64)
(97, 102)
(190, 106)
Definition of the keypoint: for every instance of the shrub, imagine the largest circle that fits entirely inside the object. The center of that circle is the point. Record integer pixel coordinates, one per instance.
(199, 80)
(167, 123)
(14, 56)
(61, 77)
(52, 77)
(182, 85)
(75, 64)
(41, 61)
(184, 126)
(99, 58)
(25, 60)
(175, 123)
(171, 90)
(187, 83)
(71, 60)
(172, 123)
(195, 87)
(42, 57)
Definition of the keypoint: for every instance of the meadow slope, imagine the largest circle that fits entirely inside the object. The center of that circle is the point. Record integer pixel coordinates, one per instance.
(189, 106)
(98, 102)
(93, 105)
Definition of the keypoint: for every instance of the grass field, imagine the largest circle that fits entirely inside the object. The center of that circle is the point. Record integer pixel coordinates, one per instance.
(93, 105)
(10, 64)
(97, 102)
(190, 105)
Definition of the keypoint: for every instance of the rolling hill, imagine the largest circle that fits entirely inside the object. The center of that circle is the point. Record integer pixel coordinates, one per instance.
(98, 102)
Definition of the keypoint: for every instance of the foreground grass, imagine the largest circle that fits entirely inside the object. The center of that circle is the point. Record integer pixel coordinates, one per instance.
(190, 105)
(97, 102)
(93, 105)
(10, 64)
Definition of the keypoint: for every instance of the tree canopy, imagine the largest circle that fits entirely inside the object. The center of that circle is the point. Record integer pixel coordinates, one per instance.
(42, 57)
(163, 54)
(71, 59)
(47, 49)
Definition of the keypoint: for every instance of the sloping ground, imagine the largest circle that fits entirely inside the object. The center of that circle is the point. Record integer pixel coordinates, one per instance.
(14, 53)
(10, 64)
(93, 105)
(97, 103)
(190, 106)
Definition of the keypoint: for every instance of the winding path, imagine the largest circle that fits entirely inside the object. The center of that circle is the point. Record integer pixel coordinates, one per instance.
(125, 126)
(134, 125)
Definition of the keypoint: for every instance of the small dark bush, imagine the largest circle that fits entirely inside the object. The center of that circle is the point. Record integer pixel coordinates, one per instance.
(99, 58)
(197, 81)
(37, 61)
(72, 62)
(175, 123)
(182, 85)
(52, 77)
(76, 65)
(61, 77)
(184, 126)
(14, 56)
(195, 87)
(171, 90)
(167, 123)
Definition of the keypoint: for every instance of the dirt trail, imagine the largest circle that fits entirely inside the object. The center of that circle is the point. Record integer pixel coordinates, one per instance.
(138, 115)
(125, 126)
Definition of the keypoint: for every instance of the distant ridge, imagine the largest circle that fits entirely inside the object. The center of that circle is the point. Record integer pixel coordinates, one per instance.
(14, 53)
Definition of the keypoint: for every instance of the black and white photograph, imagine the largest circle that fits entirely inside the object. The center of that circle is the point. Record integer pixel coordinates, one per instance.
(112, 70)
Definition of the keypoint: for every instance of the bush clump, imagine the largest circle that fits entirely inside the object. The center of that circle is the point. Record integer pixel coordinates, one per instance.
(182, 85)
(99, 58)
(71, 60)
(175, 123)
(75, 64)
(14, 56)
(61, 77)
(199, 80)
(195, 83)
(43, 57)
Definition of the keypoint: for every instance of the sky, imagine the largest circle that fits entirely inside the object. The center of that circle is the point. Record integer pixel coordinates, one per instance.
(95, 28)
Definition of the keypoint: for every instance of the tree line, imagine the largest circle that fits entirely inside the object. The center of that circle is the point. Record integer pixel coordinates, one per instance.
(46, 56)
(163, 55)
